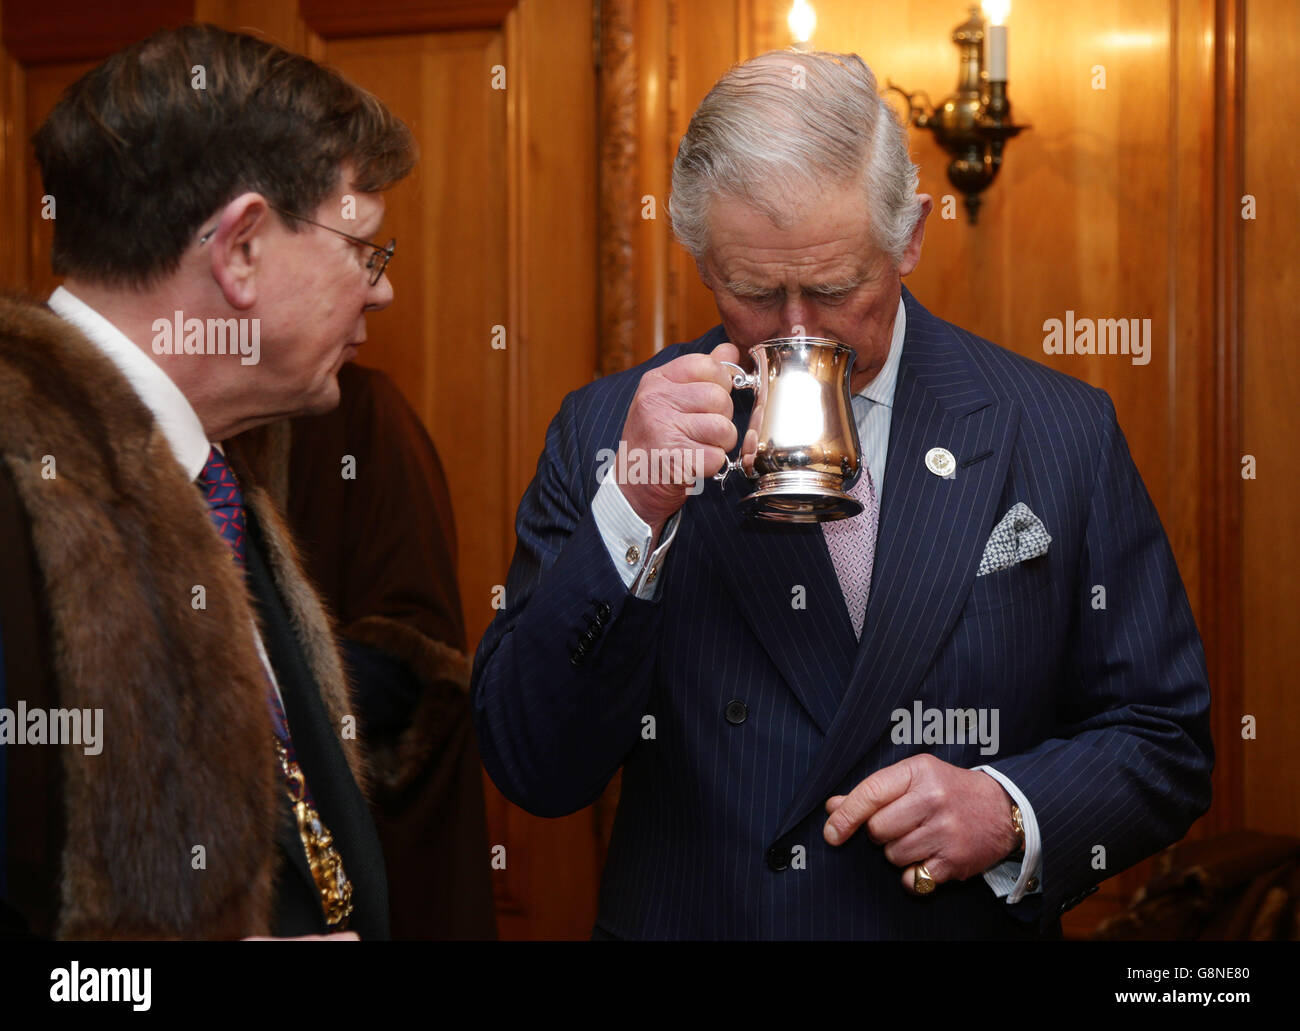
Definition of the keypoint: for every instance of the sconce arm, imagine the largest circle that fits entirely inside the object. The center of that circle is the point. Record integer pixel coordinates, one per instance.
(917, 114)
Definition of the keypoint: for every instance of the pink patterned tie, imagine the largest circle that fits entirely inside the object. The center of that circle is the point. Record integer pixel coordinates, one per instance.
(852, 544)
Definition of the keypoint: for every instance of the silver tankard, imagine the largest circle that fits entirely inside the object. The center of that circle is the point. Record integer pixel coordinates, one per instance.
(802, 441)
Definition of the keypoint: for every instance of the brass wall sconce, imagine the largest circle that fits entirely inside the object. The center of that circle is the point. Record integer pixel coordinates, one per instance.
(974, 124)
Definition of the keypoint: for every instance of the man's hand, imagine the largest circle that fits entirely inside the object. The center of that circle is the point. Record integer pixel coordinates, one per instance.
(924, 810)
(683, 407)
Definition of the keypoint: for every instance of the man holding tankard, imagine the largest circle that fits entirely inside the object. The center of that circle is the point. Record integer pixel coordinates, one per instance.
(906, 723)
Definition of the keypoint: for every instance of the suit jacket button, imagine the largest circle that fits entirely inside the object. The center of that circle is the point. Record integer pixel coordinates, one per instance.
(736, 712)
(778, 857)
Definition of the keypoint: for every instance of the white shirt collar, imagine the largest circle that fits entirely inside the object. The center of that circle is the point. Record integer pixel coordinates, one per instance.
(881, 389)
(171, 409)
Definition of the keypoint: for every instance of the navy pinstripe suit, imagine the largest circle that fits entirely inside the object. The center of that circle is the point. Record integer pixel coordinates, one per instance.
(1103, 712)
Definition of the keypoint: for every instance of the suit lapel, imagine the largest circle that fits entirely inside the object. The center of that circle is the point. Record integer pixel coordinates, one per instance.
(764, 565)
(931, 537)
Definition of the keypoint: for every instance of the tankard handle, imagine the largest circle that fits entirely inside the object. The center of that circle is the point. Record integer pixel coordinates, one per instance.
(740, 380)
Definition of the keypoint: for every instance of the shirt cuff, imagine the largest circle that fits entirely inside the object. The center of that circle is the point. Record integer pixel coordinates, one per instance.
(1016, 878)
(627, 539)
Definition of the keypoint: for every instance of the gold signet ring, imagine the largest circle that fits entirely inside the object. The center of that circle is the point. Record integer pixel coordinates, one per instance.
(922, 882)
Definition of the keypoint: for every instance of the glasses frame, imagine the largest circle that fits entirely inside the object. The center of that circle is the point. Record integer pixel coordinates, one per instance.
(379, 256)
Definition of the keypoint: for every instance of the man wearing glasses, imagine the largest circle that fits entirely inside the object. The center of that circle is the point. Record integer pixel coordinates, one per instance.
(178, 755)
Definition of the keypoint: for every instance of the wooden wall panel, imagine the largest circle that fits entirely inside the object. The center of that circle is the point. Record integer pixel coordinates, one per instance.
(552, 105)
(343, 18)
(279, 21)
(551, 113)
(1270, 410)
(43, 86)
(13, 173)
(60, 31)
(448, 273)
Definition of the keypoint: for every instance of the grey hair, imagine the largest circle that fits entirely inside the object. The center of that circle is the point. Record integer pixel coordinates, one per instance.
(783, 125)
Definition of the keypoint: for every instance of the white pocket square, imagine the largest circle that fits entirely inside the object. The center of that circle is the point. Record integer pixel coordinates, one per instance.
(1019, 536)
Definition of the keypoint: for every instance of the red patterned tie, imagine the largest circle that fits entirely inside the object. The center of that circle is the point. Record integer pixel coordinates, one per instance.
(852, 544)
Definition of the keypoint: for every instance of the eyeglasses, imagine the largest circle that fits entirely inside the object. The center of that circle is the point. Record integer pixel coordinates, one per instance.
(379, 256)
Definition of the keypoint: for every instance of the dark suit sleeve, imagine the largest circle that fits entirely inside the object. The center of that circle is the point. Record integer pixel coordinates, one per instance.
(1129, 769)
(562, 675)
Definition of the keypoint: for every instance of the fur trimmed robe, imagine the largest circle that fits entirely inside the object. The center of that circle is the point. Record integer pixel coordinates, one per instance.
(139, 612)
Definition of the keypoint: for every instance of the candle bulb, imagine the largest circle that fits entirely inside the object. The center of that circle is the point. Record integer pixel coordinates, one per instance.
(802, 20)
(995, 39)
(997, 53)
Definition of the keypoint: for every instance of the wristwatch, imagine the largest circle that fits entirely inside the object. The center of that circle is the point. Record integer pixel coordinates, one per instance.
(1017, 825)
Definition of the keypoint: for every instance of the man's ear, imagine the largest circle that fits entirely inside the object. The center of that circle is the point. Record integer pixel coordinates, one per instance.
(912, 252)
(239, 249)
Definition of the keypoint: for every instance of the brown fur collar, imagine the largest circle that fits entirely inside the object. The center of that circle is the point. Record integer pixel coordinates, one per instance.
(121, 539)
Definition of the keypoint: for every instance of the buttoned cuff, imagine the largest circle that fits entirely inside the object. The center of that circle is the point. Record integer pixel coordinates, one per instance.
(1013, 879)
(627, 539)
